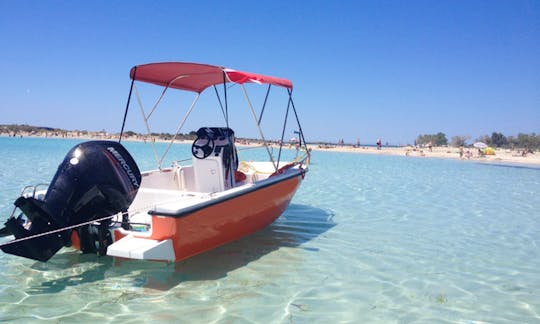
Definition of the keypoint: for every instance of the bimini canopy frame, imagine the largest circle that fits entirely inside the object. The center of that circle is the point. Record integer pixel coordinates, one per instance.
(196, 78)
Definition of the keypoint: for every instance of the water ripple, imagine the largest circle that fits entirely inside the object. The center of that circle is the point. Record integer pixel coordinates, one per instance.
(367, 239)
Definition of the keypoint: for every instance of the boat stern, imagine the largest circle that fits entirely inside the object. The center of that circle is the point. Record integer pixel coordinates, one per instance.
(132, 247)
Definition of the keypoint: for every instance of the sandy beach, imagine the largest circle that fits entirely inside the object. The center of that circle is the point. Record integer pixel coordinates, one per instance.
(501, 155)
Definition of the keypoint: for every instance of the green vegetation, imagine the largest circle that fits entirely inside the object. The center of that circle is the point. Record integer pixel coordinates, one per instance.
(525, 141)
(27, 130)
(16, 129)
(458, 141)
(438, 139)
(130, 133)
(168, 137)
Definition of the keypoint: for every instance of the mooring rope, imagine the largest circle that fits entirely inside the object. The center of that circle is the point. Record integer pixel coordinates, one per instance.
(56, 230)
(88, 222)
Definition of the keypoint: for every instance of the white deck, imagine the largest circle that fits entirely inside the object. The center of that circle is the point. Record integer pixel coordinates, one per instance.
(167, 191)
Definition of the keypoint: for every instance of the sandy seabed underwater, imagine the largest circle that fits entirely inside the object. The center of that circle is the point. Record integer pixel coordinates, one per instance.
(367, 238)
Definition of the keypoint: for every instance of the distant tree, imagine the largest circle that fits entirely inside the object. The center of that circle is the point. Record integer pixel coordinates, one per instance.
(458, 141)
(498, 140)
(423, 139)
(438, 139)
(484, 139)
(526, 141)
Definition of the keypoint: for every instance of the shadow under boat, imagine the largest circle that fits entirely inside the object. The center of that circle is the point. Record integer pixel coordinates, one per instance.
(298, 225)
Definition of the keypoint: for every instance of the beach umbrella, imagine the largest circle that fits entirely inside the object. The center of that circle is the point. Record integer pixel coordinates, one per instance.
(480, 145)
(489, 151)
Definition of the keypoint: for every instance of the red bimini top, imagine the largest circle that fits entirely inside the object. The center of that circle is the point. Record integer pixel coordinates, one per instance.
(197, 77)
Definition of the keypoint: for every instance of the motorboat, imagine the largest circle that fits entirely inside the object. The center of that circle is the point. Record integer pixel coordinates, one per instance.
(100, 202)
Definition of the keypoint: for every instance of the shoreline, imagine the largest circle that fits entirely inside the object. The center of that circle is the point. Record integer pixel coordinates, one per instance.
(502, 156)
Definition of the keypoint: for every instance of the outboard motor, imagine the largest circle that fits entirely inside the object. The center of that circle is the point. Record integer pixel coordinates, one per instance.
(96, 179)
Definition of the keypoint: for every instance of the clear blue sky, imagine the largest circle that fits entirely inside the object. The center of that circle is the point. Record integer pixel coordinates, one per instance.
(361, 69)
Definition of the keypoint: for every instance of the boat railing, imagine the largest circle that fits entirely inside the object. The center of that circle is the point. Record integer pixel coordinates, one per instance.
(32, 190)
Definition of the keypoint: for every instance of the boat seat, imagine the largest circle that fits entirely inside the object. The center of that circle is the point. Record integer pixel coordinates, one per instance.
(183, 175)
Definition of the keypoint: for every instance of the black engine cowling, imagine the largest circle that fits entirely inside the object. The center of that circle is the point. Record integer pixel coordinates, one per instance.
(96, 179)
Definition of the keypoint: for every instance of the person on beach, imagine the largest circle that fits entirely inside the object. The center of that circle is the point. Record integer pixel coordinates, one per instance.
(461, 152)
(480, 153)
(379, 144)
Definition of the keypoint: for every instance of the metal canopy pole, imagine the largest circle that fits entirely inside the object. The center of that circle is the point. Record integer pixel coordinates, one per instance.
(258, 126)
(146, 123)
(298, 121)
(127, 105)
(179, 128)
(220, 103)
(226, 101)
(230, 166)
(264, 104)
(283, 131)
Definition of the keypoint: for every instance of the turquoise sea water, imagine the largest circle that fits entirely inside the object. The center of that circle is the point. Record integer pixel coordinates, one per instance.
(367, 238)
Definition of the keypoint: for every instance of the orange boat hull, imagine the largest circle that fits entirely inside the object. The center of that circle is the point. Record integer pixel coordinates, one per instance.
(226, 221)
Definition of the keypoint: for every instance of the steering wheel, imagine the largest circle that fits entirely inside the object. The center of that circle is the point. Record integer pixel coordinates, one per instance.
(202, 147)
